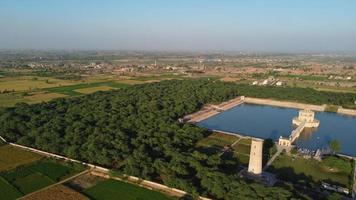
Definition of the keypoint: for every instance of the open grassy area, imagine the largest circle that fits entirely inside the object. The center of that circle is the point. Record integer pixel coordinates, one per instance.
(241, 150)
(218, 140)
(12, 157)
(309, 171)
(215, 142)
(112, 190)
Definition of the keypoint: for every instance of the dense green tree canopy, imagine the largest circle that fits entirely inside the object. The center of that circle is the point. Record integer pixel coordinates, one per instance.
(135, 131)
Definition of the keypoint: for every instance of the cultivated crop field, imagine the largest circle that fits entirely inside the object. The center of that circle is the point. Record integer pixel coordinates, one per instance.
(112, 189)
(26, 83)
(8, 191)
(38, 97)
(36, 89)
(12, 157)
(58, 192)
(36, 175)
(78, 89)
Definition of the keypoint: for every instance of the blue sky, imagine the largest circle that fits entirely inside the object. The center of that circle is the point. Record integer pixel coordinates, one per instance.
(248, 25)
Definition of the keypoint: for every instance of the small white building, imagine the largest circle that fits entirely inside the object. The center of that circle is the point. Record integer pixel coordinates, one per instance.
(265, 82)
(279, 83)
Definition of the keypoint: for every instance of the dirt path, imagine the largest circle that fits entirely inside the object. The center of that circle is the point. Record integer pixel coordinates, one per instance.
(232, 145)
(58, 183)
(269, 163)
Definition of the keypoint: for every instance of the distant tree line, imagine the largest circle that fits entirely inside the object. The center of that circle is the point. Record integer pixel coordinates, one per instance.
(135, 131)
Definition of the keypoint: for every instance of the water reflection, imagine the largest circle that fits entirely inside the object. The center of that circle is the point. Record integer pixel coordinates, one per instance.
(272, 122)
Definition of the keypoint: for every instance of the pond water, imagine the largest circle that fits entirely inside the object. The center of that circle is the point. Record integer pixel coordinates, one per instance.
(272, 122)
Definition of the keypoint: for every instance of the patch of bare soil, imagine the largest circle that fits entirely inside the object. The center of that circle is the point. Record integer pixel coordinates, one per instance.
(83, 182)
(58, 192)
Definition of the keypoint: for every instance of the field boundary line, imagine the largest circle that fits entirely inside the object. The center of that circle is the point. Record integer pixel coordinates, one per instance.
(145, 184)
(3, 139)
(55, 184)
(164, 188)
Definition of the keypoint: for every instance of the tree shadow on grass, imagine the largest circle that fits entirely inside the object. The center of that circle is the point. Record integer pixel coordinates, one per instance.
(288, 174)
(230, 163)
(210, 150)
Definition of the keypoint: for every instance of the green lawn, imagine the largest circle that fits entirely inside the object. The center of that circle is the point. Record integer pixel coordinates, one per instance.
(242, 148)
(309, 171)
(8, 191)
(218, 140)
(70, 90)
(242, 158)
(246, 141)
(215, 143)
(117, 190)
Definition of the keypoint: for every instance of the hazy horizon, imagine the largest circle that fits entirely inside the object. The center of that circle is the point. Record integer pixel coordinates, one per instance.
(165, 25)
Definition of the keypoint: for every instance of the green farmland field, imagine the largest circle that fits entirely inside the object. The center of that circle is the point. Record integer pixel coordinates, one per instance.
(117, 190)
(32, 182)
(8, 191)
(72, 90)
(53, 169)
(12, 157)
(35, 176)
